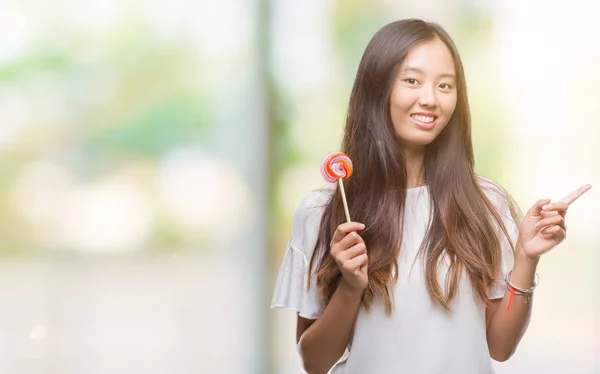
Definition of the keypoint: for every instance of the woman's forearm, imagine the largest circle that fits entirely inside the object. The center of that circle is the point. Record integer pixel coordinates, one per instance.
(508, 327)
(324, 342)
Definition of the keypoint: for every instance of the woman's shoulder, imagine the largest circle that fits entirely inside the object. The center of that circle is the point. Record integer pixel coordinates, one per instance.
(488, 183)
(499, 197)
(492, 189)
(307, 217)
(317, 198)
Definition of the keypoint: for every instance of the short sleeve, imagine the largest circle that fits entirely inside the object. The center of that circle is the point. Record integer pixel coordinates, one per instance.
(500, 200)
(291, 287)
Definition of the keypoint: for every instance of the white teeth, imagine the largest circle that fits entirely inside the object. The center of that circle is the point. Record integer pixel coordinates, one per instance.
(426, 119)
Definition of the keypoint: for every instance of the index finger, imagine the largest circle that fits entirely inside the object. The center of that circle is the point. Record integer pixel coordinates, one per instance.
(344, 229)
(570, 198)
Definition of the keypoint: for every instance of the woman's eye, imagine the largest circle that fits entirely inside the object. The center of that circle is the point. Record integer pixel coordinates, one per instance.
(445, 86)
(411, 81)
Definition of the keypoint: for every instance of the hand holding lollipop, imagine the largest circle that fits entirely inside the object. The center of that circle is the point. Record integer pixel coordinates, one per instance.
(348, 249)
(335, 167)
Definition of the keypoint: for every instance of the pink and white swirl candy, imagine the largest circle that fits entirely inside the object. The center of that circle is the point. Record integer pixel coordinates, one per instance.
(336, 165)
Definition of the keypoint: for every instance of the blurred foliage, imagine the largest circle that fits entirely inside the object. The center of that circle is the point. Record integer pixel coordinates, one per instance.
(127, 96)
(153, 130)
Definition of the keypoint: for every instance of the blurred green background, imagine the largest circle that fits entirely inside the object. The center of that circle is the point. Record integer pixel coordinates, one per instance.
(152, 155)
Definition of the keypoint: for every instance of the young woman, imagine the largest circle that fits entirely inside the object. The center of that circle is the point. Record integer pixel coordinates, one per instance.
(435, 275)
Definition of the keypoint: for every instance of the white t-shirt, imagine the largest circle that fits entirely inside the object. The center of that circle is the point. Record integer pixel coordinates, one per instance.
(419, 336)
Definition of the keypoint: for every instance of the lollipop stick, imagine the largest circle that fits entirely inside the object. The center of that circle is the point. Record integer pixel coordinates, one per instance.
(344, 199)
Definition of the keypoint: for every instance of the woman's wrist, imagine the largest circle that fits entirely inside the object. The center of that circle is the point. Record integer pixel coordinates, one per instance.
(350, 291)
(522, 256)
(523, 272)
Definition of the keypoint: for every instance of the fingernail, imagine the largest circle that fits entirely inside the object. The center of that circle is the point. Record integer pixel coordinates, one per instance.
(545, 207)
(362, 226)
(537, 225)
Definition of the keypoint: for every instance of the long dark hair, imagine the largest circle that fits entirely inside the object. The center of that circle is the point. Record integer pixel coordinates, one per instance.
(464, 223)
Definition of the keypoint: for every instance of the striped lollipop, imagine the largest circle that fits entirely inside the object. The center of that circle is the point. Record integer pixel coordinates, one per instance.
(335, 167)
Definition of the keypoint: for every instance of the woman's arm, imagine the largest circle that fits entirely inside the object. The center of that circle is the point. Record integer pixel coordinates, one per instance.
(542, 229)
(505, 329)
(322, 342)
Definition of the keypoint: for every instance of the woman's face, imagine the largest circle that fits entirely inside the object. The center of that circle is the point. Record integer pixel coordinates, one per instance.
(424, 94)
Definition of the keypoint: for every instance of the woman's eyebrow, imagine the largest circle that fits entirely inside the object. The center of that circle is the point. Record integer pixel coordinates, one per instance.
(417, 70)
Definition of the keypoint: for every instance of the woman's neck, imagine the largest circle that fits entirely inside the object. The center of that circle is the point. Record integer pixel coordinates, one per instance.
(415, 172)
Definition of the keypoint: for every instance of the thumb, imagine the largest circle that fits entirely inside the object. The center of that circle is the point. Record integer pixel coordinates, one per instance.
(536, 209)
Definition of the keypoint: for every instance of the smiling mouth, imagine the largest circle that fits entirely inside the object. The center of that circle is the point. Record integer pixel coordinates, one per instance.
(423, 118)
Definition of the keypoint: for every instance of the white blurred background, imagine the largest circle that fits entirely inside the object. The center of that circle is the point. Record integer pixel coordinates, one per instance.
(152, 155)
